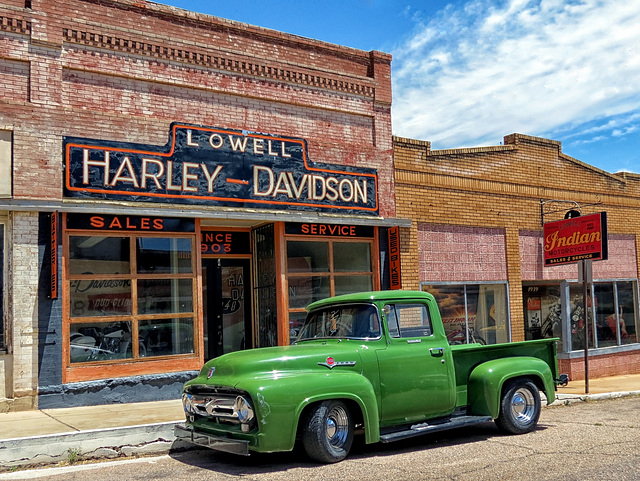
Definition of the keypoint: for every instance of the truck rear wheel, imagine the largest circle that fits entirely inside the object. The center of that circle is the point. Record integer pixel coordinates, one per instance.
(519, 407)
(328, 432)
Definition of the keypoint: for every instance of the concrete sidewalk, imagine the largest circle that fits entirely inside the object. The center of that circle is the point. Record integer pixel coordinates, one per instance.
(49, 436)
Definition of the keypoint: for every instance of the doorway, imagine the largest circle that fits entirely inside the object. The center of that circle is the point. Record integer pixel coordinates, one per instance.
(226, 306)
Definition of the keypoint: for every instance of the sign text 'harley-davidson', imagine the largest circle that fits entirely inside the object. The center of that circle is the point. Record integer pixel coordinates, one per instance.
(206, 165)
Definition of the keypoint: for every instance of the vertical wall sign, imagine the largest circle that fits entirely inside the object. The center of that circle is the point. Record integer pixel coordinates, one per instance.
(395, 277)
(576, 239)
(212, 166)
(53, 294)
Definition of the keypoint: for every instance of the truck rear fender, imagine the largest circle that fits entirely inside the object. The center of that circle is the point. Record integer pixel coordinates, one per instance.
(486, 382)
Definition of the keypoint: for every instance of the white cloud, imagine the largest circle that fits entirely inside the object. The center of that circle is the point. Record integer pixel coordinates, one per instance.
(476, 73)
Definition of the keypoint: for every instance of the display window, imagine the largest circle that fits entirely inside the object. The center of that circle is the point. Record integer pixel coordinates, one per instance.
(325, 267)
(558, 310)
(472, 313)
(130, 299)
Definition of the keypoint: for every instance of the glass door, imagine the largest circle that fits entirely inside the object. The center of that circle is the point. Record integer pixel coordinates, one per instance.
(227, 306)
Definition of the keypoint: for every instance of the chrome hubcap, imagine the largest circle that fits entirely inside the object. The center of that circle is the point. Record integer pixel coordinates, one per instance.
(337, 426)
(523, 405)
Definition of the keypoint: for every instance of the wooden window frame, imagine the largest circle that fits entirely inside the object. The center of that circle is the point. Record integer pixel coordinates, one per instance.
(94, 370)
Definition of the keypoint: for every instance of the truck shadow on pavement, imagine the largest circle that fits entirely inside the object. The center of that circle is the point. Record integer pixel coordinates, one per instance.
(258, 463)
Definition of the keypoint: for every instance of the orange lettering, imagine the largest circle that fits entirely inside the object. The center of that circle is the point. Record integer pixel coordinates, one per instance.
(144, 223)
(115, 224)
(97, 222)
(158, 224)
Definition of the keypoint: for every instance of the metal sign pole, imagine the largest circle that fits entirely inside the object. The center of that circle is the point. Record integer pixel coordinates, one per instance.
(584, 265)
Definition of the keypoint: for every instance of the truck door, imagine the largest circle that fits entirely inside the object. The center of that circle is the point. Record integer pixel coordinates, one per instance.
(417, 379)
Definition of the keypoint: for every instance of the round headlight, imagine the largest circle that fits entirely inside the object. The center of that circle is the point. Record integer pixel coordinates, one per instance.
(243, 410)
(187, 405)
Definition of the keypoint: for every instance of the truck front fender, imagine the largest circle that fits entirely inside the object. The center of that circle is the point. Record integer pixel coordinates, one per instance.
(487, 379)
(280, 403)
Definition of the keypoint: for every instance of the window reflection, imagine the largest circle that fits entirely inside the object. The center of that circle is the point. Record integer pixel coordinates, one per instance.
(165, 296)
(164, 337)
(158, 255)
(99, 255)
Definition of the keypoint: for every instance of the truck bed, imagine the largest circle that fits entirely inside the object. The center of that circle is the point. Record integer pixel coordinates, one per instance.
(467, 356)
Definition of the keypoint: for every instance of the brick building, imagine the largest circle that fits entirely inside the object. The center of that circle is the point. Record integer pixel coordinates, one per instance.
(175, 186)
(476, 242)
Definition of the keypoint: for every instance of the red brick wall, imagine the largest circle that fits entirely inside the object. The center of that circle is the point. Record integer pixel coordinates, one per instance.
(124, 70)
(618, 364)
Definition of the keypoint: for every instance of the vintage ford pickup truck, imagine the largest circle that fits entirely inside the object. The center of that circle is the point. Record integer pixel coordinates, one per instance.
(374, 363)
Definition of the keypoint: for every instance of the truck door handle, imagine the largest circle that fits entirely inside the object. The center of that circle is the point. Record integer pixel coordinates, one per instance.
(436, 351)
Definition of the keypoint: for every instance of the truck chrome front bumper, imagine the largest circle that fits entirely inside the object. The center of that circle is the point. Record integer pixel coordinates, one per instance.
(234, 446)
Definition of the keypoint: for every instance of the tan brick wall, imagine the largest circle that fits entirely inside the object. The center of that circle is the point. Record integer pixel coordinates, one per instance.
(502, 187)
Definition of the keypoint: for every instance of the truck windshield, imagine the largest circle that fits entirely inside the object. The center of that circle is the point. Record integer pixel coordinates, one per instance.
(349, 322)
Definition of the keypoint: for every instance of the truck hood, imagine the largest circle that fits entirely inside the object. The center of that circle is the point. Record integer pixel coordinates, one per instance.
(319, 356)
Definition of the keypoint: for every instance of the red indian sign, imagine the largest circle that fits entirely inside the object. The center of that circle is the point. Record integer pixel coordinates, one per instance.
(576, 239)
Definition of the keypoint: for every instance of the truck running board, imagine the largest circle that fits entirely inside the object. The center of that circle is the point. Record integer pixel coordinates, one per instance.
(425, 428)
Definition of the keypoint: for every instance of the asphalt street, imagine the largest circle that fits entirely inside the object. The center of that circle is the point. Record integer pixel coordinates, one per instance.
(583, 441)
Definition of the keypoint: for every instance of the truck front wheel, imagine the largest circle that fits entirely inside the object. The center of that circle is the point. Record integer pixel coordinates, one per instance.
(328, 432)
(519, 407)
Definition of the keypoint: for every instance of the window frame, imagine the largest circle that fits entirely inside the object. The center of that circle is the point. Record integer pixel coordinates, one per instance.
(331, 273)
(136, 365)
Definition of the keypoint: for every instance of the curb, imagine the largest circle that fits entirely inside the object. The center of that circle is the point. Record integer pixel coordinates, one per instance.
(89, 445)
(566, 399)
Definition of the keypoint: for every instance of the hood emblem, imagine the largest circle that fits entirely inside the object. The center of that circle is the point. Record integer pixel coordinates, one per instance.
(331, 363)
(211, 371)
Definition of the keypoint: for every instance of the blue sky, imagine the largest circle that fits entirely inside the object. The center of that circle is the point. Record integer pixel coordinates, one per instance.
(467, 73)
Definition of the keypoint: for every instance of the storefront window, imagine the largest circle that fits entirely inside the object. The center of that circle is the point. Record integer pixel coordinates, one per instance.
(320, 269)
(472, 312)
(557, 310)
(120, 298)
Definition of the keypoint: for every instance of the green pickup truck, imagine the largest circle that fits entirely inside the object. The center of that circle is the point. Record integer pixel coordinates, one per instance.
(373, 363)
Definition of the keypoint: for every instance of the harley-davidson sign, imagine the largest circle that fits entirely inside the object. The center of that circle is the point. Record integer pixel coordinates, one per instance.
(207, 165)
(576, 239)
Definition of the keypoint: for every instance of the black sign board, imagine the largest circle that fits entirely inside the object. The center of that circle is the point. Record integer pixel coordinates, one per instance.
(330, 230)
(213, 166)
(129, 223)
(225, 242)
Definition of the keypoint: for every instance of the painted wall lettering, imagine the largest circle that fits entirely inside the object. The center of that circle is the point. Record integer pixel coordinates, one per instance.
(207, 165)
